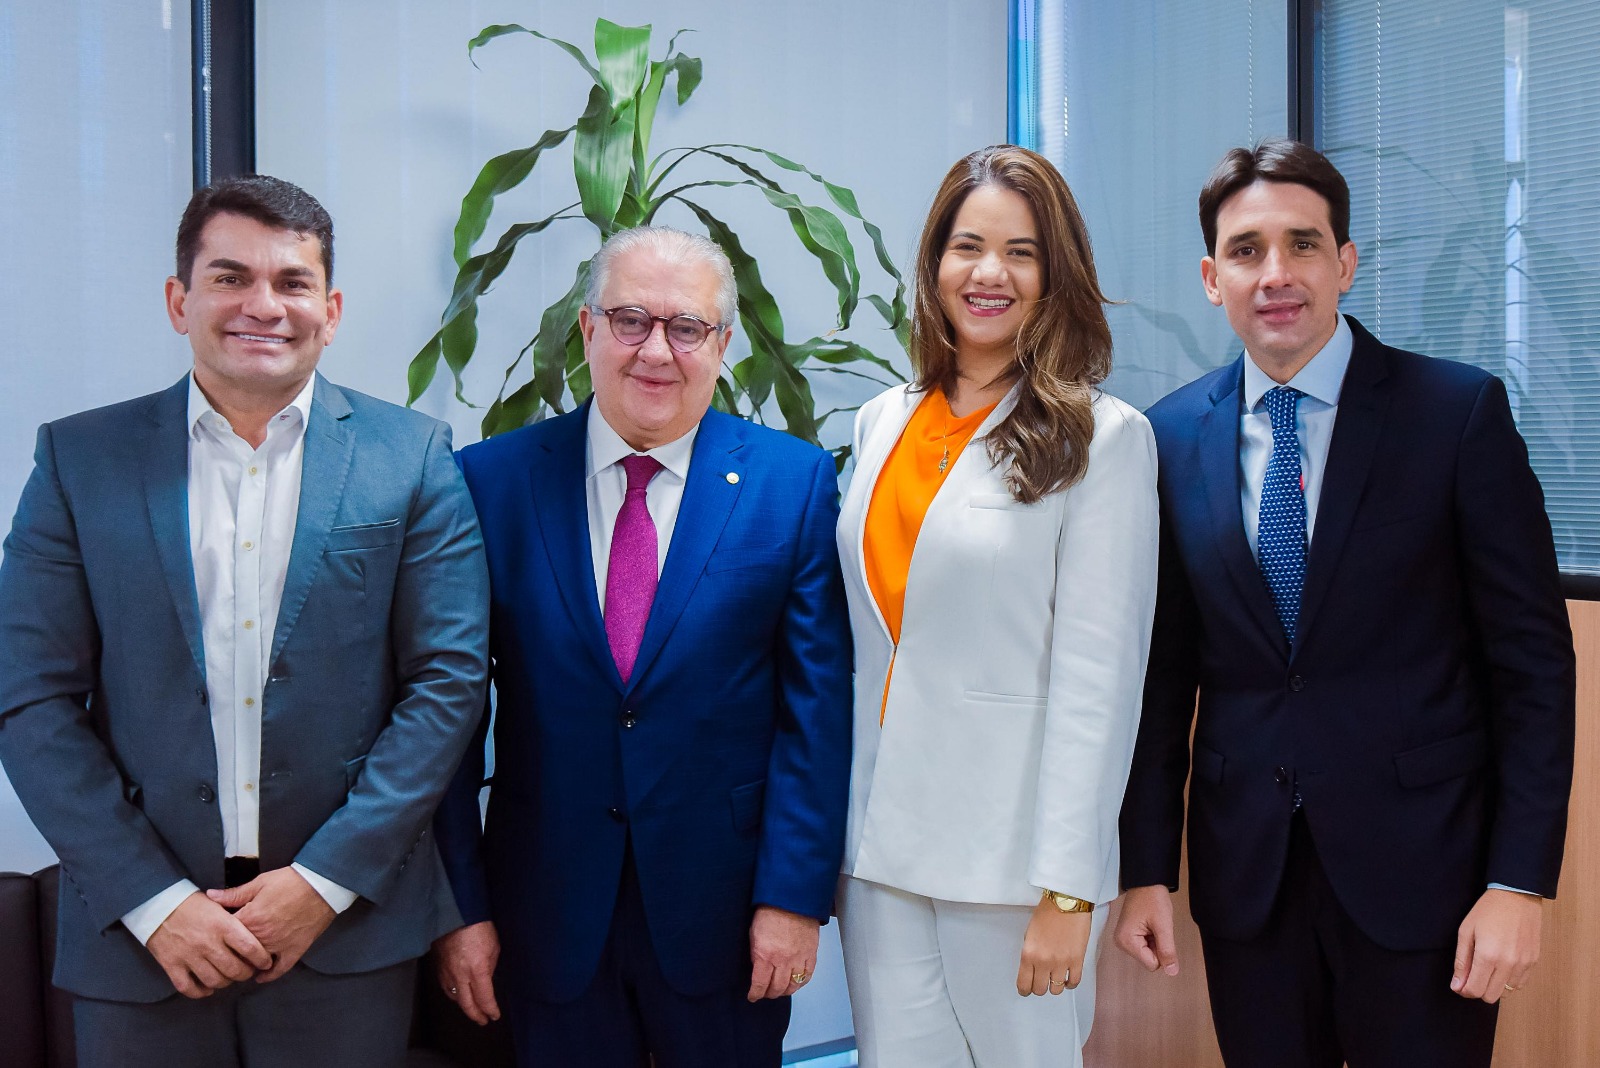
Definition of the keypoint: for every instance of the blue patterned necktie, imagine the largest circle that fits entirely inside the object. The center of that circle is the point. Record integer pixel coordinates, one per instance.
(1281, 531)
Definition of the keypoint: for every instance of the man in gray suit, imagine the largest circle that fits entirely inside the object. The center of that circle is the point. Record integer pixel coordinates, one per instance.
(243, 625)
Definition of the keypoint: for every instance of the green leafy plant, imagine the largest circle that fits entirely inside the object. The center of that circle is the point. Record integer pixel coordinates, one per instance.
(619, 185)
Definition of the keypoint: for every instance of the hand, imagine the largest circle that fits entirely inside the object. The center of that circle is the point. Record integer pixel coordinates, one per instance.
(782, 945)
(1497, 945)
(1144, 929)
(203, 949)
(282, 910)
(465, 960)
(1053, 949)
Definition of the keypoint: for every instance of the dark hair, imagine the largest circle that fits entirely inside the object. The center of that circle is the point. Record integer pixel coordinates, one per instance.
(1275, 159)
(1063, 349)
(268, 200)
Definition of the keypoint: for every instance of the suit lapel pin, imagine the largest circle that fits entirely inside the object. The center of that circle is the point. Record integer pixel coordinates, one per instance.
(732, 477)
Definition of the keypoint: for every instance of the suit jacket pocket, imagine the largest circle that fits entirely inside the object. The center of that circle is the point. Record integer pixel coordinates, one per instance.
(734, 559)
(1439, 761)
(363, 536)
(1208, 764)
(746, 802)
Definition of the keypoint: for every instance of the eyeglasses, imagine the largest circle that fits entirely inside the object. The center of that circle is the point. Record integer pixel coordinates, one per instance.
(632, 326)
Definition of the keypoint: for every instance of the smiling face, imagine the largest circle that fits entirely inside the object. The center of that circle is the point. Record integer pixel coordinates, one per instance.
(257, 311)
(990, 275)
(1278, 272)
(649, 393)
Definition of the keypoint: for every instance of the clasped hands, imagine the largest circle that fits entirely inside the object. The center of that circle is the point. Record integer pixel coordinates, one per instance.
(258, 930)
(1497, 944)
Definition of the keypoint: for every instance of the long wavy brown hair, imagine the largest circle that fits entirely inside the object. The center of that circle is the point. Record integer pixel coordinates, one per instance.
(1063, 349)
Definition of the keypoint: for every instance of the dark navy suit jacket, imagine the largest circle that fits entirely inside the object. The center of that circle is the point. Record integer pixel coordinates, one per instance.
(1426, 713)
(726, 757)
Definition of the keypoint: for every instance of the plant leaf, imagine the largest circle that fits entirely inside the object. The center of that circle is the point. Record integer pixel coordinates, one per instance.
(550, 347)
(498, 175)
(602, 157)
(623, 56)
(689, 73)
(793, 394)
(509, 413)
(472, 281)
(489, 33)
(846, 201)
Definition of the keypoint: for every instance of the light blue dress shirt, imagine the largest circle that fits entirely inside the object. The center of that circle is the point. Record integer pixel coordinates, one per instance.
(1320, 380)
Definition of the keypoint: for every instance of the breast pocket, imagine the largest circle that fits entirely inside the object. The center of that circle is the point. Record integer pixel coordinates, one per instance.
(1012, 572)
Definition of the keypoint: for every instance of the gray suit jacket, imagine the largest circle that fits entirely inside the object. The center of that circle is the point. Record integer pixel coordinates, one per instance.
(376, 678)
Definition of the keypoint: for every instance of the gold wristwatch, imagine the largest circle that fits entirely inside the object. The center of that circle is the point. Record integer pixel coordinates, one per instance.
(1068, 903)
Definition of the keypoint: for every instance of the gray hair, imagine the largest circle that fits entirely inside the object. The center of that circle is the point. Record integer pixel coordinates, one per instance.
(677, 247)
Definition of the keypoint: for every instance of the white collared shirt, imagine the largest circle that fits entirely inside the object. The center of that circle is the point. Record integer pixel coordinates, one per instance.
(1321, 380)
(243, 505)
(606, 484)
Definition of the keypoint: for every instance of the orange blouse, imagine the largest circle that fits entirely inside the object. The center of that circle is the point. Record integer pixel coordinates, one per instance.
(928, 447)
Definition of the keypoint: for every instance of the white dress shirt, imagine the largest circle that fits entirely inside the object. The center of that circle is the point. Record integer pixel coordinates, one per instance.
(606, 484)
(1320, 380)
(243, 504)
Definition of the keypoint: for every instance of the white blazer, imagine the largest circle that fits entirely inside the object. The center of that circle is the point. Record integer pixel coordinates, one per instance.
(1009, 729)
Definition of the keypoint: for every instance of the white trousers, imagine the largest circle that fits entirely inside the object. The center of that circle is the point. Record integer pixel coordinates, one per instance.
(933, 984)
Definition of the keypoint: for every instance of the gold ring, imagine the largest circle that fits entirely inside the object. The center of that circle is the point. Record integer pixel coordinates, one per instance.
(798, 977)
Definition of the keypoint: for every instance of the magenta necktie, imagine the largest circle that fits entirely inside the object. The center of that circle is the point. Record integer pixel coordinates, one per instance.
(631, 576)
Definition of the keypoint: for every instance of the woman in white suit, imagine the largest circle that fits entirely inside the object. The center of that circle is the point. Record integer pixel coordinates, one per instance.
(999, 666)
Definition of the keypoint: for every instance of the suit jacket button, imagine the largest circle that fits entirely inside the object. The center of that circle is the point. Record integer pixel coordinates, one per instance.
(1296, 683)
(206, 793)
(616, 814)
(628, 719)
(1282, 775)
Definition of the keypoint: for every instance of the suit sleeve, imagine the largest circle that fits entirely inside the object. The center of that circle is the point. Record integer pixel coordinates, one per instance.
(62, 771)
(438, 634)
(1514, 593)
(1152, 807)
(808, 775)
(1104, 597)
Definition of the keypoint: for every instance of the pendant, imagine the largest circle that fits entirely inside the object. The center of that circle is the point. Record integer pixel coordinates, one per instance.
(944, 461)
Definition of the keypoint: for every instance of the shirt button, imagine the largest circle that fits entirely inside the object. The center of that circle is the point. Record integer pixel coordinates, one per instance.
(249, 786)
(249, 702)
(249, 624)
(253, 470)
(249, 545)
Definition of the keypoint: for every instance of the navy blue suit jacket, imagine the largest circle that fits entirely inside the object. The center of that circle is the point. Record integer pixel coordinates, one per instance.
(725, 757)
(1426, 713)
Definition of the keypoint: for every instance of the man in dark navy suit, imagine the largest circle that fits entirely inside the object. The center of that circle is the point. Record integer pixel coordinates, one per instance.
(672, 665)
(1358, 577)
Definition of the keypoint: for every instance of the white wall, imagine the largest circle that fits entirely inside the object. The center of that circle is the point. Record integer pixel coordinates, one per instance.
(94, 171)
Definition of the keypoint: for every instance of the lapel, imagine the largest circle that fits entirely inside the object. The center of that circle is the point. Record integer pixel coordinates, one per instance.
(165, 463)
(957, 486)
(1363, 404)
(1219, 467)
(708, 500)
(561, 507)
(330, 443)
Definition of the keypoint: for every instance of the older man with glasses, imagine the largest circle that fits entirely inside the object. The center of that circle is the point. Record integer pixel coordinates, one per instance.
(672, 671)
